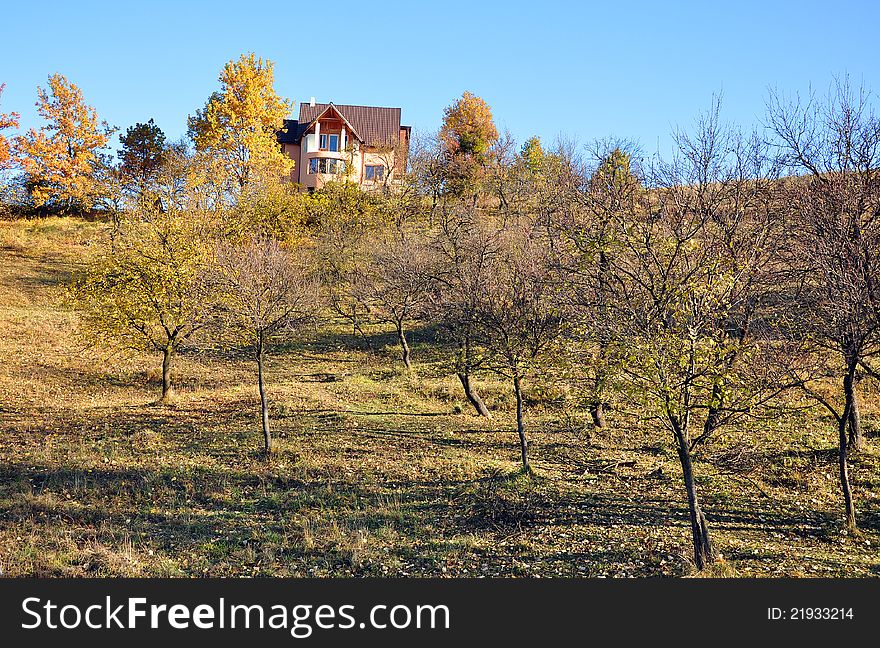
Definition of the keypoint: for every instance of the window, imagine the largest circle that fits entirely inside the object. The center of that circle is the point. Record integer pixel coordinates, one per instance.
(335, 166)
(326, 165)
(329, 142)
(375, 172)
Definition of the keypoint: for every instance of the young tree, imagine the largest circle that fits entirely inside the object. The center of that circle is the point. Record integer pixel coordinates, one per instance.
(261, 291)
(393, 283)
(464, 251)
(519, 309)
(671, 335)
(343, 219)
(62, 158)
(239, 124)
(834, 210)
(112, 200)
(141, 157)
(690, 286)
(426, 169)
(7, 120)
(185, 182)
(393, 155)
(144, 292)
(588, 219)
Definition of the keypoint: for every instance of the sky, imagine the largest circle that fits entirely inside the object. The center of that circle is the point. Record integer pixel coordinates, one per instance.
(578, 70)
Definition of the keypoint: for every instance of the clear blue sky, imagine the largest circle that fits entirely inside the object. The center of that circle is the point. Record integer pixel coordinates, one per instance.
(583, 69)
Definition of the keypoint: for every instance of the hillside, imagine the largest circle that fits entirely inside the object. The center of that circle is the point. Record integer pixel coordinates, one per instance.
(377, 472)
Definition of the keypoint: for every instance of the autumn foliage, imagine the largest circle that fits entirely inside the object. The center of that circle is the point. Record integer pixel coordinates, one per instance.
(465, 139)
(468, 127)
(673, 302)
(7, 120)
(59, 159)
(239, 124)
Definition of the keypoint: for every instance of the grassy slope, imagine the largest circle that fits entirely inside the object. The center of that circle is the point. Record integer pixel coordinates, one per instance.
(378, 473)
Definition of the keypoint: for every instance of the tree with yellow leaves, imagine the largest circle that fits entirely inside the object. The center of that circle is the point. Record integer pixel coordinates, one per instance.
(61, 159)
(466, 137)
(143, 291)
(9, 120)
(239, 124)
(468, 127)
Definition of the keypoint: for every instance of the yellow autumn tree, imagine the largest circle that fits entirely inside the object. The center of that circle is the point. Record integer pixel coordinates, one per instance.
(142, 292)
(61, 159)
(7, 120)
(468, 127)
(466, 137)
(239, 124)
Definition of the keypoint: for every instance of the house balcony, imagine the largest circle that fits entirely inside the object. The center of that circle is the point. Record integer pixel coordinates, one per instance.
(323, 166)
(332, 155)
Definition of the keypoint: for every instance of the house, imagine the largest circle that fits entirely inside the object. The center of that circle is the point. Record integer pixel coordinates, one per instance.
(363, 144)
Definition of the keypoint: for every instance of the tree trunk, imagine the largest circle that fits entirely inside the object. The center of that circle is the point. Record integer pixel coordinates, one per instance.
(167, 387)
(843, 464)
(716, 402)
(264, 405)
(356, 324)
(472, 395)
(714, 413)
(117, 226)
(405, 352)
(520, 426)
(856, 438)
(704, 551)
(597, 411)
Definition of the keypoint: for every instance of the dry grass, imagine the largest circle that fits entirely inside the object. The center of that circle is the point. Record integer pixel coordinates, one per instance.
(377, 472)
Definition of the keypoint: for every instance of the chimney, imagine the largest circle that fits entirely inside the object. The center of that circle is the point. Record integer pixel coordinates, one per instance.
(312, 102)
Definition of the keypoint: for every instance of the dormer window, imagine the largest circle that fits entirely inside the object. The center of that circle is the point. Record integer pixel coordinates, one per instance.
(329, 142)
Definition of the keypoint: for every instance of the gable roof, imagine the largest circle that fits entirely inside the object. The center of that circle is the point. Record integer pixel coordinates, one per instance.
(351, 128)
(372, 124)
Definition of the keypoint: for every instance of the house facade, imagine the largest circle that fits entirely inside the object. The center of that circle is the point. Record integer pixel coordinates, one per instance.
(362, 144)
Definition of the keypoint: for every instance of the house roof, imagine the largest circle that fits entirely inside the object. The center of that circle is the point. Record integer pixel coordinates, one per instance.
(293, 131)
(373, 124)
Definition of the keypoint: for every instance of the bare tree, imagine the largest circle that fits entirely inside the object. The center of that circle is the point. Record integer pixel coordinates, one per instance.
(519, 309)
(393, 154)
(598, 200)
(690, 287)
(262, 291)
(343, 219)
(393, 281)
(464, 251)
(731, 179)
(426, 169)
(833, 145)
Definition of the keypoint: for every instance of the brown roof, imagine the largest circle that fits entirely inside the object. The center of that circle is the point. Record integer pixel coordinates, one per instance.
(374, 125)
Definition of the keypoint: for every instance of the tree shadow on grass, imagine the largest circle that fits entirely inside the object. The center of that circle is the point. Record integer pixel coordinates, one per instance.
(211, 513)
(810, 455)
(40, 273)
